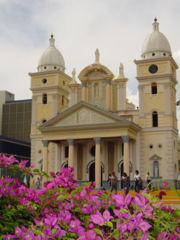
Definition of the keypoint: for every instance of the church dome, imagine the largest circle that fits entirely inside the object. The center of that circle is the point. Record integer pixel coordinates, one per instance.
(156, 44)
(51, 58)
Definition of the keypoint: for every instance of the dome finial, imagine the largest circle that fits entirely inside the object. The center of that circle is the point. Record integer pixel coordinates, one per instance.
(121, 71)
(97, 56)
(51, 40)
(155, 25)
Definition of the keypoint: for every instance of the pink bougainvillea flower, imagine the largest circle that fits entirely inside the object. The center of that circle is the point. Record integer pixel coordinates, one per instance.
(97, 218)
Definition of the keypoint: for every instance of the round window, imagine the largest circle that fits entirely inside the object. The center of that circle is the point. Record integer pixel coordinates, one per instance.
(44, 80)
(153, 68)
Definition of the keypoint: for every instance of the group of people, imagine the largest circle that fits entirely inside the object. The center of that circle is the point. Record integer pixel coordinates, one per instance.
(125, 180)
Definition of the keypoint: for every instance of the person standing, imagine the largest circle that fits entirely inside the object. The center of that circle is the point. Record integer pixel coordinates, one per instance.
(148, 181)
(126, 183)
(113, 181)
(137, 179)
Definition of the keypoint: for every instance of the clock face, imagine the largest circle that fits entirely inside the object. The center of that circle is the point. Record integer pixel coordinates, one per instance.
(153, 68)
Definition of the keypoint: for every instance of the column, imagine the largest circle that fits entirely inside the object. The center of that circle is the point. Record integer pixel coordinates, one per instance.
(126, 153)
(98, 162)
(84, 91)
(45, 155)
(71, 153)
(108, 94)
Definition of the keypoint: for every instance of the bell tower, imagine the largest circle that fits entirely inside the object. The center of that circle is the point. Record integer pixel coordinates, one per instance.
(50, 94)
(156, 75)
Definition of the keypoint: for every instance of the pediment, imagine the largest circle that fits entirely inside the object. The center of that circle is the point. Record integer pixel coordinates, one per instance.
(82, 114)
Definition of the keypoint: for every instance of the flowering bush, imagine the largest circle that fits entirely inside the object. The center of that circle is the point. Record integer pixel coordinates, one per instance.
(64, 210)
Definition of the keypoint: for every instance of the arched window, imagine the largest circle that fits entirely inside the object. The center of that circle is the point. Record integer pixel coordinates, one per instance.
(44, 98)
(155, 119)
(155, 169)
(154, 88)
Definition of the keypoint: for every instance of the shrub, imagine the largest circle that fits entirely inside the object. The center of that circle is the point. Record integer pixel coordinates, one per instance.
(64, 210)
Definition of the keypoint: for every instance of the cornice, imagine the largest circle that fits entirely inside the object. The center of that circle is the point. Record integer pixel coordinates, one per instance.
(49, 73)
(151, 60)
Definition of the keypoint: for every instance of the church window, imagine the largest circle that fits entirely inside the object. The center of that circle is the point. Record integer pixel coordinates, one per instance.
(66, 152)
(154, 88)
(153, 54)
(44, 80)
(122, 149)
(44, 98)
(45, 67)
(54, 67)
(155, 169)
(150, 146)
(155, 119)
(164, 54)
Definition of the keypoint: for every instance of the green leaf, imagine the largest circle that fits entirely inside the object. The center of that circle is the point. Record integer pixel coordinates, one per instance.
(115, 233)
(109, 224)
(98, 231)
(54, 230)
(60, 197)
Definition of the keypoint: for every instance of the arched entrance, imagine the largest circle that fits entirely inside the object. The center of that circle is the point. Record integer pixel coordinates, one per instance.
(92, 172)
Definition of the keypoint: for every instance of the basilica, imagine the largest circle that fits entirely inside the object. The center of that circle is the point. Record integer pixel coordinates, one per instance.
(86, 121)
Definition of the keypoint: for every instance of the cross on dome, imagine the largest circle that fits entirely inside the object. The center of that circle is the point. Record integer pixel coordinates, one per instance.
(52, 40)
(155, 25)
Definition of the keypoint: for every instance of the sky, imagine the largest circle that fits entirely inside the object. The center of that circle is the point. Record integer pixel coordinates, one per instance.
(116, 27)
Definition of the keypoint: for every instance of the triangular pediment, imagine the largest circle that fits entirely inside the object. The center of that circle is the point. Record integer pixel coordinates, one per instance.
(83, 114)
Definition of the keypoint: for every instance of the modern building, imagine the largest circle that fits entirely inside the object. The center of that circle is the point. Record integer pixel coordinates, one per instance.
(90, 125)
(15, 125)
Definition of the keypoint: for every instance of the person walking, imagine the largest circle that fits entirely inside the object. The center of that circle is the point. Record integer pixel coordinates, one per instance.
(126, 183)
(148, 181)
(113, 182)
(138, 180)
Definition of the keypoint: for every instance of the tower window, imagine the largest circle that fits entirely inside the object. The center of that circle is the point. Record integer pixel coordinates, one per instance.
(164, 54)
(154, 88)
(155, 119)
(44, 98)
(45, 67)
(62, 100)
(153, 54)
(54, 67)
